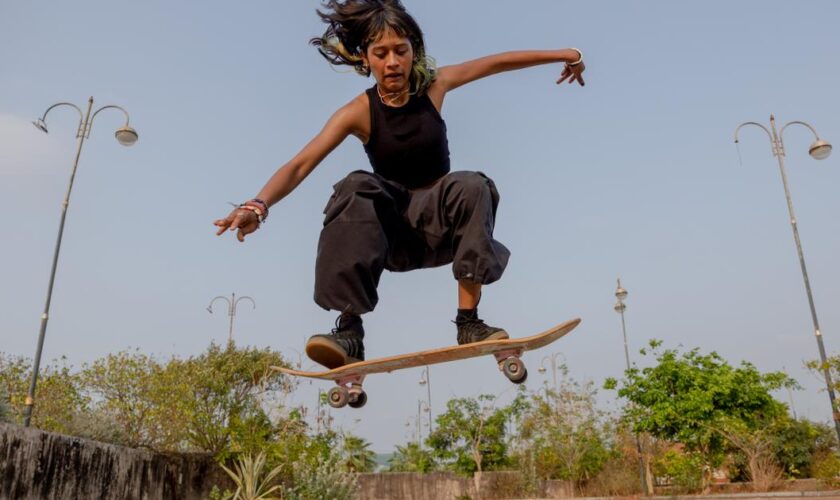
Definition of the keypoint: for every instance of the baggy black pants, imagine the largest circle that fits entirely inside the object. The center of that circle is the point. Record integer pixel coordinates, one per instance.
(373, 224)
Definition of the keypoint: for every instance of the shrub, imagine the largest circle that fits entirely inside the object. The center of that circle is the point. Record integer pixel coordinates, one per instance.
(826, 467)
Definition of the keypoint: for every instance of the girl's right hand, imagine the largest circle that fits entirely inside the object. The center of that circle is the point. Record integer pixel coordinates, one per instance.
(246, 221)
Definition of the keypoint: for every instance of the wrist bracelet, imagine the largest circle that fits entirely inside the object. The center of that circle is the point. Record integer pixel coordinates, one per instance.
(260, 202)
(257, 203)
(257, 212)
(580, 58)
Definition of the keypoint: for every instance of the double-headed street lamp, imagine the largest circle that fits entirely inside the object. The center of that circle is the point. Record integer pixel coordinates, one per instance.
(126, 136)
(620, 307)
(819, 150)
(232, 303)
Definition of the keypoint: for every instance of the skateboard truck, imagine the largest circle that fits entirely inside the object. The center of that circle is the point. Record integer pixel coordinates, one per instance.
(348, 391)
(510, 364)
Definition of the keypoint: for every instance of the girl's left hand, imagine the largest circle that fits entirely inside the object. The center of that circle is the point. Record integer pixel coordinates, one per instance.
(573, 73)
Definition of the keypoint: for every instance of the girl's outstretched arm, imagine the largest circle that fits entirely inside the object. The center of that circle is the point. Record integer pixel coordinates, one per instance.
(454, 76)
(344, 122)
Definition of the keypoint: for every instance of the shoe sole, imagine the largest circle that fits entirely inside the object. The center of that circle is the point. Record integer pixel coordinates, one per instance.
(500, 335)
(327, 354)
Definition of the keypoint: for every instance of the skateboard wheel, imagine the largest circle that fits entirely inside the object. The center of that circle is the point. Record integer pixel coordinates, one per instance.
(338, 397)
(514, 369)
(359, 400)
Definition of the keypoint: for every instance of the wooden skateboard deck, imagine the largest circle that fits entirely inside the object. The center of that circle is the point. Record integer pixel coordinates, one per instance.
(507, 353)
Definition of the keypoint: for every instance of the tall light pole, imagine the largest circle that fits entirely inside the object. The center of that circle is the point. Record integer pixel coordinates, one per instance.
(620, 306)
(424, 380)
(819, 150)
(126, 136)
(232, 303)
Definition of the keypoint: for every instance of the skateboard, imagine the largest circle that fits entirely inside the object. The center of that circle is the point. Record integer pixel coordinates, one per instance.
(507, 352)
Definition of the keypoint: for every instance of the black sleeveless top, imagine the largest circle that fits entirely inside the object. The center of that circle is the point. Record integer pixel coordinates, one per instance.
(408, 144)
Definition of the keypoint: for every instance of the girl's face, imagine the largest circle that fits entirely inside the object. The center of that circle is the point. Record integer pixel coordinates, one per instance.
(390, 59)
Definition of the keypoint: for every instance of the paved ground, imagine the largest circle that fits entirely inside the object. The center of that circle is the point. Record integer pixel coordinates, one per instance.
(822, 495)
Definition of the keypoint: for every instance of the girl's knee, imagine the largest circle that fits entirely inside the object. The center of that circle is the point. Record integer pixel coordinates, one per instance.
(471, 183)
(358, 180)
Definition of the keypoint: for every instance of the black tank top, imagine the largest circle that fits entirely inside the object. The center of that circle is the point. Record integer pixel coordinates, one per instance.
(408, 144)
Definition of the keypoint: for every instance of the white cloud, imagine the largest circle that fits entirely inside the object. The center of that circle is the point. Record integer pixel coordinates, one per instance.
(24, 150)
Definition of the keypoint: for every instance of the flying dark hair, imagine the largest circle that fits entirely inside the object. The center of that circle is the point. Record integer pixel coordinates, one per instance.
(355, 24)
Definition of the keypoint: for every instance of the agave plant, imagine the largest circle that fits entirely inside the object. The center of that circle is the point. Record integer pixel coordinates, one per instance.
(251, 482)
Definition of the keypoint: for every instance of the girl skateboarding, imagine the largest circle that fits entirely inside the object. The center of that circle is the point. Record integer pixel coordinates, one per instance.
(411, 211)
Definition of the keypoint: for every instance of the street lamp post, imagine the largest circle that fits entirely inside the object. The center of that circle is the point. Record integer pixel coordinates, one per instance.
(423, 407)
(424, 380)
(126, 136)
(819, 150)
(620, 306)
(554, 366)
(416, 425)
(232, 303)
(621, 294)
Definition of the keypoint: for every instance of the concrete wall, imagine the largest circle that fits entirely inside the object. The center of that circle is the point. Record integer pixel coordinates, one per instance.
(36, 464)
(446, 486)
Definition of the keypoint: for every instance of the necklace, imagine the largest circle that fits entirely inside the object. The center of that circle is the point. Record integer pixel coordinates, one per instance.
(388, 96)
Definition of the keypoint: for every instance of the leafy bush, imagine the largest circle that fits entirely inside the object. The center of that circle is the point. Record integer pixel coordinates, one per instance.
(826, 467)
(325, 480)
(684, 471)
(411, 458)
(252, 482)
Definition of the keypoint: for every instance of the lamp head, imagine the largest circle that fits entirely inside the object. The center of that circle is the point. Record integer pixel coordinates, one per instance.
(41, 125)
(126, 135)
(820, 149)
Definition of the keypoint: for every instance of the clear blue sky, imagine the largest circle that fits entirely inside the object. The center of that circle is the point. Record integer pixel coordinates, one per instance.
(635, 175)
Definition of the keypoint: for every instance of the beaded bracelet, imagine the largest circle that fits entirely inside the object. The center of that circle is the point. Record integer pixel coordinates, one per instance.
(257, 212)
(259, 204)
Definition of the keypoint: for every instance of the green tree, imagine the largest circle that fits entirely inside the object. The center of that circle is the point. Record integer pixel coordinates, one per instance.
(58, 400)
(565, 433)
(687, 398)
(126, 391)
(356, 455)
(471, 436)
(411, 458)
(227, 389)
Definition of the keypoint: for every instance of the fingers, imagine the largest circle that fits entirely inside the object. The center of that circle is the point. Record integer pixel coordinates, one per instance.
(222, 224)
(579, 74)
(563, 76)
(242, 221)
(572, 74)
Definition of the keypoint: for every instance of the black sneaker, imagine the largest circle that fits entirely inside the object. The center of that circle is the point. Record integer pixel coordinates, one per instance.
(340, 347)
(474, 330)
